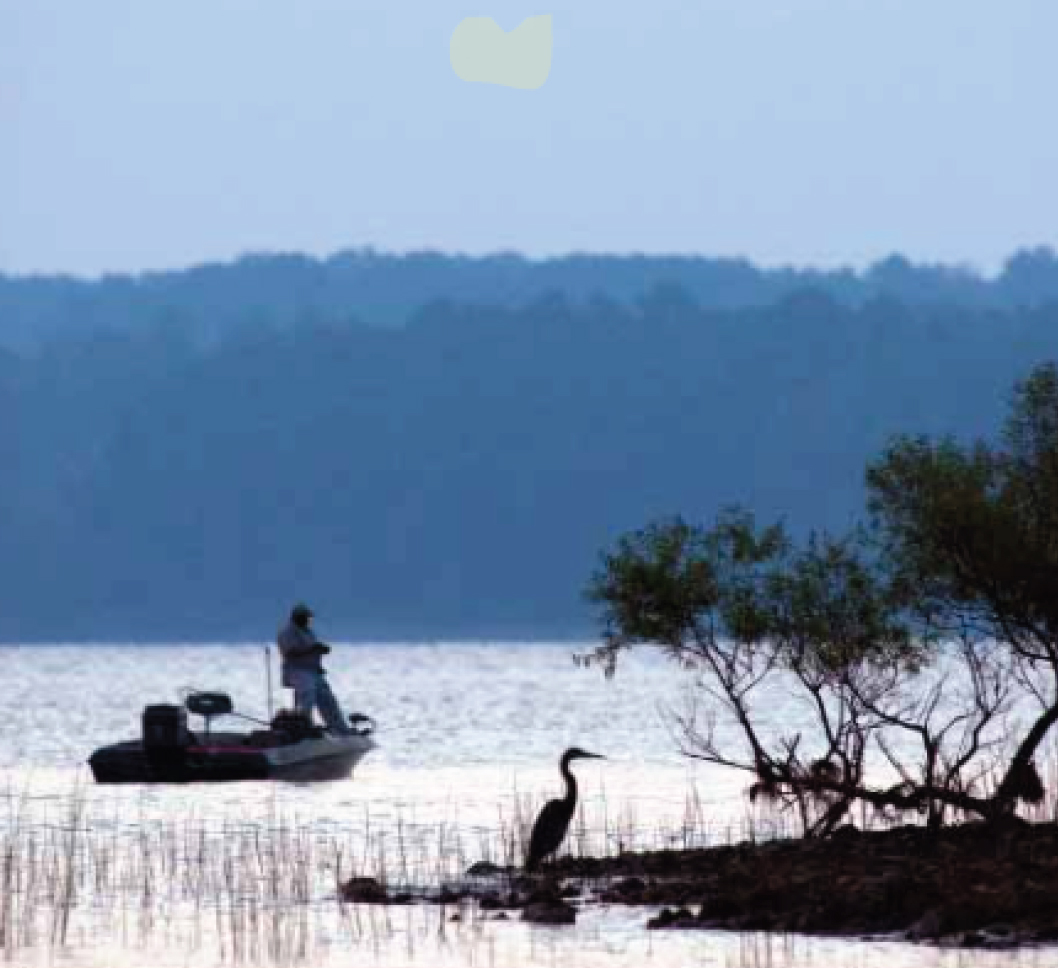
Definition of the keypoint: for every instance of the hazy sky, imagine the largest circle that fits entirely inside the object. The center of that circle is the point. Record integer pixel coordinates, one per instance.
(157, 133)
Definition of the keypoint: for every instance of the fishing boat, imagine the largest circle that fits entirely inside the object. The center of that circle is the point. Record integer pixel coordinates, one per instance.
(289, 747)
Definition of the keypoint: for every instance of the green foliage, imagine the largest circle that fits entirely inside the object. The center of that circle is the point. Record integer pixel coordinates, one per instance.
(678, 586)
(671, 580)
(832, 608)
(974, 529)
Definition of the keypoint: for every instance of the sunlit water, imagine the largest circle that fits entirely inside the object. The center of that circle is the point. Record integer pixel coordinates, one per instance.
(469, 736)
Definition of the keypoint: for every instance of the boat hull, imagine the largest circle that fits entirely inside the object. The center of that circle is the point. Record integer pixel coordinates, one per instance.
(227, 760)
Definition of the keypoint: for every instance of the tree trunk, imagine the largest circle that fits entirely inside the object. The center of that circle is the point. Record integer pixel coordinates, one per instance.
(1005, 799)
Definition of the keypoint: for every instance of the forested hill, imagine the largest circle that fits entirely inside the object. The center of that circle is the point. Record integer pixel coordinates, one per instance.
(458, 475)
(385, 290)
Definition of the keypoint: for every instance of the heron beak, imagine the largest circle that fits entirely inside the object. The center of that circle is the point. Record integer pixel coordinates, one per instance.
(591, 756)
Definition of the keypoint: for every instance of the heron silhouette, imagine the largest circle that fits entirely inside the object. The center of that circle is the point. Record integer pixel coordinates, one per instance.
(551, 825)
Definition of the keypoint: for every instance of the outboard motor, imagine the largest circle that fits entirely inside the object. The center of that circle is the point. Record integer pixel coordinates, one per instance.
(165, 736)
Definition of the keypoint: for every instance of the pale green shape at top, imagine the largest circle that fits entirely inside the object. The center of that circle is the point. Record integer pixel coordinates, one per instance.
(481, 52)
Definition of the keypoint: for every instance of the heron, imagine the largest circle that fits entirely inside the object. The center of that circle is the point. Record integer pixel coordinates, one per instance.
(551, 825)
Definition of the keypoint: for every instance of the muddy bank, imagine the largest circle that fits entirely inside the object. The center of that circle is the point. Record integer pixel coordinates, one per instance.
(969, 884)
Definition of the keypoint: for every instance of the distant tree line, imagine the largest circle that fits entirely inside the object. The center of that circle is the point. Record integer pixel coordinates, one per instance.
(379, 289)
(454, 475)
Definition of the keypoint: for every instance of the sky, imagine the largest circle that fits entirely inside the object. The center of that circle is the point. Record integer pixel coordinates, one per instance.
(149, 134)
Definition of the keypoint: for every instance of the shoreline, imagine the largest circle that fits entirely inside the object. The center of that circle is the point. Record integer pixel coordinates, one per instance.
(966, 885)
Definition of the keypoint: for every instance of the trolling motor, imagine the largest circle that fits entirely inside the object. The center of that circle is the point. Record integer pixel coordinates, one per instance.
(362, 725)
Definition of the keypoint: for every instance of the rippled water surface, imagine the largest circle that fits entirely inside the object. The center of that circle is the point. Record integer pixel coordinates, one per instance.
(469, 736)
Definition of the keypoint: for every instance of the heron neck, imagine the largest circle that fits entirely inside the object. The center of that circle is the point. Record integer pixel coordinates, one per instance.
(571, 783)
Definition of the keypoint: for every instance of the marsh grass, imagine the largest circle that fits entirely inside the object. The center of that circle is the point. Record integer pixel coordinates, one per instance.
(262, 891)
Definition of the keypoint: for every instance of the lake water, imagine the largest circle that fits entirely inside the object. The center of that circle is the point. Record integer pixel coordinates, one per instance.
(469, 737)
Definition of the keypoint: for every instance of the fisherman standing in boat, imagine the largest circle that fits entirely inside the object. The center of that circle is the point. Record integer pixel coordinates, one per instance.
(303, 671)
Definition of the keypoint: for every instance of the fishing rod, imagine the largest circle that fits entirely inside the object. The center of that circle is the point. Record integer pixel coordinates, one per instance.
(268, 677)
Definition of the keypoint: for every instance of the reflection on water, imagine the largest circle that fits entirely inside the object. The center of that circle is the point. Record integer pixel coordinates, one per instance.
(602, 938)
(469, 737)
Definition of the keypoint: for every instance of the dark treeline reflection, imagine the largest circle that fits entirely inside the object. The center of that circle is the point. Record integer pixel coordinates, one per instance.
(458, 474)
